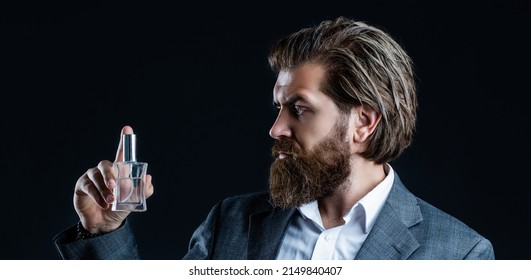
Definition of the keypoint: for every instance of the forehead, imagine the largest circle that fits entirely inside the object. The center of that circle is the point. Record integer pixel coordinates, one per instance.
(303, 82)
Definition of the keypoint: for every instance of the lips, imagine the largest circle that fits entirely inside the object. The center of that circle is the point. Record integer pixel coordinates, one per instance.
(282, 155)
(283, 149)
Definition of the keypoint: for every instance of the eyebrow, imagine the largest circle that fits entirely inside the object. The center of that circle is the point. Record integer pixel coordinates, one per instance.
(291, 100)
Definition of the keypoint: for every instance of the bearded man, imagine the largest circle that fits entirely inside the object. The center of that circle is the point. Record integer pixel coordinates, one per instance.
(346, 100)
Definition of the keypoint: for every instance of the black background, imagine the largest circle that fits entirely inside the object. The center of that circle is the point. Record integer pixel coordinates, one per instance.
(193, 81)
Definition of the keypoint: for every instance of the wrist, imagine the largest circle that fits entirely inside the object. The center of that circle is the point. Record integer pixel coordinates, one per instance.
(83, 233)
(99, 228)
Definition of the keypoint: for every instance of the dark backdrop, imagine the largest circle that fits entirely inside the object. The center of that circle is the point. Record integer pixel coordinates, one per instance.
(194, 83)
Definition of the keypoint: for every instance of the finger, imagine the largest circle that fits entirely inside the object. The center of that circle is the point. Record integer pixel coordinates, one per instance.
(100, 183)
(85, 186)
(119, 153)
(149, 186)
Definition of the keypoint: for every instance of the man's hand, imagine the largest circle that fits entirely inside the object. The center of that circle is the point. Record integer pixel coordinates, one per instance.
(93, 194)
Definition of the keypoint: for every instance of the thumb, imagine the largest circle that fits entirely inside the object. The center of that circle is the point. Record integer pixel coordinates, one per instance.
(119, 153)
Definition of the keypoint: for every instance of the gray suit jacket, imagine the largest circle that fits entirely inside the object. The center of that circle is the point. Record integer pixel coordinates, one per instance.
(248, 227)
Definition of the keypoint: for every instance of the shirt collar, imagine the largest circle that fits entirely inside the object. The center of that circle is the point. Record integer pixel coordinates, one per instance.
(367, 208)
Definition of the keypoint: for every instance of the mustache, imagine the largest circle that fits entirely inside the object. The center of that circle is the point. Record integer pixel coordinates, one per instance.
(285, 145)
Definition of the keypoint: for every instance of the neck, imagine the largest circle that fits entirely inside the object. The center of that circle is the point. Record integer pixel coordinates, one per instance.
(364, 177)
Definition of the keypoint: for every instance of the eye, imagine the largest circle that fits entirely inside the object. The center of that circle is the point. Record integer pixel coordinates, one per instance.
(297, 110)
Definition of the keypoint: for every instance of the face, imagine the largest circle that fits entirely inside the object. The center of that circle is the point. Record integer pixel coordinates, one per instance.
(311, 151)
(306, 115)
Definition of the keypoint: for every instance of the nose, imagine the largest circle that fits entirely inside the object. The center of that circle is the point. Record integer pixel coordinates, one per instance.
(281, 127)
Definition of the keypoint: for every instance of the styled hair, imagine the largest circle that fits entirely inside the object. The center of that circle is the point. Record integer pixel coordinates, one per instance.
(364, 67)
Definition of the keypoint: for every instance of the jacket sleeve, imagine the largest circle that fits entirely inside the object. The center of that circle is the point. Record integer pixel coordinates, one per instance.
(201, 243)
(117, 245)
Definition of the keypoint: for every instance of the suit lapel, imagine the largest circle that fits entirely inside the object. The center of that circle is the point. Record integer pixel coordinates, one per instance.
(266, 232)
(390, 237)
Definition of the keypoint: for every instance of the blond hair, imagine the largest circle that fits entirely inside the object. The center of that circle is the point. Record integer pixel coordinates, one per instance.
(364, 66)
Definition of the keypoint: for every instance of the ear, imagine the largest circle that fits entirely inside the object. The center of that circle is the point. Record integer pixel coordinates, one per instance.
(365, 119)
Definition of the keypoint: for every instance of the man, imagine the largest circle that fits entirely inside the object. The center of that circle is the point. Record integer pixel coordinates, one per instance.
(346, 102)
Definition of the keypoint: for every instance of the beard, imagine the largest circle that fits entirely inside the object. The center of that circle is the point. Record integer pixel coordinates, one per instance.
(306, 176)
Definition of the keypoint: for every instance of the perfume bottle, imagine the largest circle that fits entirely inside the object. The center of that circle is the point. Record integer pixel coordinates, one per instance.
(129, 193)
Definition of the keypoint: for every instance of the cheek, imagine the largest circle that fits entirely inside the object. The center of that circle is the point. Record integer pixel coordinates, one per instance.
(313, 129)
(307, 139)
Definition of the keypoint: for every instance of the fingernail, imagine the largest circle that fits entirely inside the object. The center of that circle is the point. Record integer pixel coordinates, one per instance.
(110, 198)
(111, 183)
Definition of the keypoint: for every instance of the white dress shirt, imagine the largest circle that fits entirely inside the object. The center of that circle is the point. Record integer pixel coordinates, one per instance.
(306, 238)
